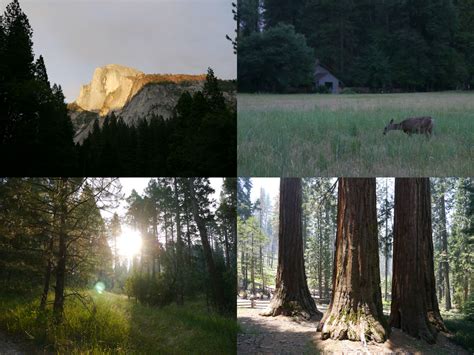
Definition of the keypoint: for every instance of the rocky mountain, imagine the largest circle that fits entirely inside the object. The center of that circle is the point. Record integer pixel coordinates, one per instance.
(130, 94)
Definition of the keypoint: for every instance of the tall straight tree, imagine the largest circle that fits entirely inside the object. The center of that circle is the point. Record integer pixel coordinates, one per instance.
(292, 296)
(355, 311)
(414, 305)
(439, 210)
(199, 188)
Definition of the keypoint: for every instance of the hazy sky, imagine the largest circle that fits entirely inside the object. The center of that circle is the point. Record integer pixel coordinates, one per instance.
(270, 185)
(140, 184)
(154, 36)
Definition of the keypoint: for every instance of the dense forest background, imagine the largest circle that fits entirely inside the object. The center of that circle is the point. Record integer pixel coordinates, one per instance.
(452, 217)
(376, 46)
(36, 134)
(61, 271)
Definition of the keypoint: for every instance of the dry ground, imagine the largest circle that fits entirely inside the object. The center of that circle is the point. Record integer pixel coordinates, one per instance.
(13, 346)
(283, 335)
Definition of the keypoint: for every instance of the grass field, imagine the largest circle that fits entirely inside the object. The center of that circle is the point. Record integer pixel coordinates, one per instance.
(341, 135)
(121, 326)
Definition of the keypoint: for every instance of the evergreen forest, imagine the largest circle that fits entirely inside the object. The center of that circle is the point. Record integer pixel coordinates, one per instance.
(86, 268)
(36, 134)
(381, 46)
(326, 249)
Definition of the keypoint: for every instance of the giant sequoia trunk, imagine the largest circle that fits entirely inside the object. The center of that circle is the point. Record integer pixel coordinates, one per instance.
(292, 295)
(355, 311)
(414, 305)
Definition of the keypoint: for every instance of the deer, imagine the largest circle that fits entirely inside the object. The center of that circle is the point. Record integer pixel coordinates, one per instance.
(418, 125)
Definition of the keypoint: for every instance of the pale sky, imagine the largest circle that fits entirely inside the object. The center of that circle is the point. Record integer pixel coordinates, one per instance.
(270, 185)
(154, 36)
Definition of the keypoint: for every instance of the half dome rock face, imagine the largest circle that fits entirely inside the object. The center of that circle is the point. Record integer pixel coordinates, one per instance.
(129, 94)
(109, 89)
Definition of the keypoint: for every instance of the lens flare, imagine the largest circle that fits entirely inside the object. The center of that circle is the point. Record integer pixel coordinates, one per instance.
(99, 287)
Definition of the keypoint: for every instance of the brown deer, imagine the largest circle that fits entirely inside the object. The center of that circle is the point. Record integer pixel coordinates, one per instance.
(418, 125)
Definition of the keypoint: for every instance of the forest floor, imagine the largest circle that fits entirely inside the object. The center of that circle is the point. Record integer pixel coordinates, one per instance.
(10, 345)
(285, 335)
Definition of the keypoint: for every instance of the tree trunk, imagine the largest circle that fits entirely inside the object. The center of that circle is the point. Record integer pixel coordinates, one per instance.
(320, 257)
(386, 241)
(252, 265)
(292, 296)
(47, 275)
(227, 253)
(211, 267)
(62, 252)
(261, 269)
(444, 250)
(414, 306)
(355, 311)
(179, 247)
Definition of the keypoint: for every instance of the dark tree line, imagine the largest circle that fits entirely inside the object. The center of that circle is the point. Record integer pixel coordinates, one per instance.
(385, 45)
(36, 134)
(199, 139)
(35, 131)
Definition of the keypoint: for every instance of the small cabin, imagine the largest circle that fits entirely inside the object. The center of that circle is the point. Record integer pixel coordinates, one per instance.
(323, 77)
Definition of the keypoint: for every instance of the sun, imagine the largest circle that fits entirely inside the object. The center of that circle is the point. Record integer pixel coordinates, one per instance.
(129, 243)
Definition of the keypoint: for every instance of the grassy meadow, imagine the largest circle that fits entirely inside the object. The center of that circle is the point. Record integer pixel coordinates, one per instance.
(120, 326)
(342, 135)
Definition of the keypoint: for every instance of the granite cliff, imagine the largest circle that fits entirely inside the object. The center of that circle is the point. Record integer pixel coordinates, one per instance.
(130, 94)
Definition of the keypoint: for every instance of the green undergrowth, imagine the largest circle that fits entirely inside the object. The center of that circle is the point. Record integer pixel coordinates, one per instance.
(462, 329)
(114, 324)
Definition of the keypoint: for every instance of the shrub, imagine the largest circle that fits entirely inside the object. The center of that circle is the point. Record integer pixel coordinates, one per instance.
(276, 60)
(157, 291)
(468, 308)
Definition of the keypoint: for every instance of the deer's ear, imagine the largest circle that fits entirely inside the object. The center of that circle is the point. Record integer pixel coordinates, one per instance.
(391, 121)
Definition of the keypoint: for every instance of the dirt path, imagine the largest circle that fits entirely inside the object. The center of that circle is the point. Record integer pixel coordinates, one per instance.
(13, 346)
(7, 346)
(283, 335)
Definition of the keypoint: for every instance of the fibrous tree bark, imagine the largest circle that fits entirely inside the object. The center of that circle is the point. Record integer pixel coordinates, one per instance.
(355, 311)
(414, 306)
(292, 296)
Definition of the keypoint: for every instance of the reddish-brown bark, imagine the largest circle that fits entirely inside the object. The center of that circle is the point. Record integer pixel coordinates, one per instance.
(355, 311)
(292, 296)
(414, 306)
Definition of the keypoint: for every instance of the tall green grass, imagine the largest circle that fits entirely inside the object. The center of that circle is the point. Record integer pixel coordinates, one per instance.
(342, 135)
(118, 325)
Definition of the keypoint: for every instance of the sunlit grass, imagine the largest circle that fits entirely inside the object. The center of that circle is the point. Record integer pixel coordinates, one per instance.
(341, 135)
(118, 325)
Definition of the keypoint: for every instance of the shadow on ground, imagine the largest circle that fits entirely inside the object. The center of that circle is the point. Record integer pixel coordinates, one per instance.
(284, 335)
